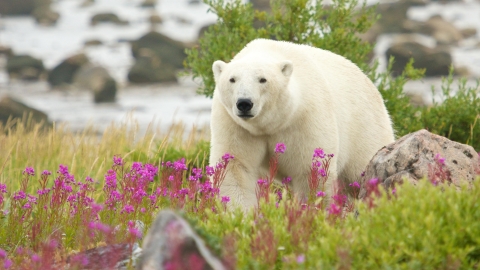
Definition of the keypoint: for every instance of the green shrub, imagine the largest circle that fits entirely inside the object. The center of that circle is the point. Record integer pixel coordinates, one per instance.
(421, 227)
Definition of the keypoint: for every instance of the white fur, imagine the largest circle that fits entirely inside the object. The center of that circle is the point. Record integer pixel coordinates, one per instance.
(312, 98)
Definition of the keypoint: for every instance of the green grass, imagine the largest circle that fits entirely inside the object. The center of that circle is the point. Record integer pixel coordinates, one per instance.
(421, 227)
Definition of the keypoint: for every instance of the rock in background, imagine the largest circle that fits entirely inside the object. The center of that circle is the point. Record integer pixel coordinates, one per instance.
(157, 59)
(11, 108)
(394, 20)
(24, 67)
(436, 61)
(412, 156)
(77, 71)
(39, 9)
(98, 80)
(63, 73)
(107, 17)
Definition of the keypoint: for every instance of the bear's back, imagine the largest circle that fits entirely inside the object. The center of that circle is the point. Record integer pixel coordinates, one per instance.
(303, 56)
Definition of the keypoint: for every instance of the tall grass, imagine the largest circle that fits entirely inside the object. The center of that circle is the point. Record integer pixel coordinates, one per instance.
(89, 153)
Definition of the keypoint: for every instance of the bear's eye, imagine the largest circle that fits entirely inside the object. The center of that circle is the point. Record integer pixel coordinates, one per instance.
(232, 80)
(263, 80)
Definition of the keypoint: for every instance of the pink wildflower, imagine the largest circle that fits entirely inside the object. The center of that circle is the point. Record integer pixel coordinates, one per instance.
(209, 170)
(280, 148)
(29, 171)
(355, 185)
(334, 210)
(318, 152)
(227, 157)
(7, 263)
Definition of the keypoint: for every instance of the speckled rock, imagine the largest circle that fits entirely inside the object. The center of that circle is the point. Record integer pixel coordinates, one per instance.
(411, 156)
(172, 244)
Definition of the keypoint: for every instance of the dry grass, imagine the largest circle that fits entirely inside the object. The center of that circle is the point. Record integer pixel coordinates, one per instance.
(88, 153)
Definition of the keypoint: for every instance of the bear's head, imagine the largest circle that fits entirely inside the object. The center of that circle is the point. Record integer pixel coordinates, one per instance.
(254, 92)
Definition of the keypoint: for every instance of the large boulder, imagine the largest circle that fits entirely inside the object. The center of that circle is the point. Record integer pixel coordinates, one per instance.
(64, 72)
(149, 68)
(436, 61)
(107, 17)
(172, 244)
(25, 67)
(413, 156)
(157, 59)
(11, 108)
(168, 50)
(98, 80)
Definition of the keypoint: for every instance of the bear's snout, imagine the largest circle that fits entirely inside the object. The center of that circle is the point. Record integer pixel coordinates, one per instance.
(244, 105)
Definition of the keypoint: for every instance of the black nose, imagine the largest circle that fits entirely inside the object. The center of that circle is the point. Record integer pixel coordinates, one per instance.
(244, 105)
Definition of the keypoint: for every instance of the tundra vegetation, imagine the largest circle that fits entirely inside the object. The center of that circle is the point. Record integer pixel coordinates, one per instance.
(62, 193)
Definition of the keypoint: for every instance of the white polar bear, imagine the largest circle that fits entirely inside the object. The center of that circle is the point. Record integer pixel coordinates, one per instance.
(305, 97)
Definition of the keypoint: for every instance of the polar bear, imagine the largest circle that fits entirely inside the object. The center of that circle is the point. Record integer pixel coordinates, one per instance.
(302, 96)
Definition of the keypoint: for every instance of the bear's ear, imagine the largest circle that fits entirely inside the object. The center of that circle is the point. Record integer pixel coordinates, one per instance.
(218, 67)
(287, 68)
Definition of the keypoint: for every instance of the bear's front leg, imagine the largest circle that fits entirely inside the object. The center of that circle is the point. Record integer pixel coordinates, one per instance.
(244, 170)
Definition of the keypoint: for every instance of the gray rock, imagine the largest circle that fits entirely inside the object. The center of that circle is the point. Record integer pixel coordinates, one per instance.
(87, 3)
(17, 7)
(98, 80)
(168, 50)
(436, 61)
(171, 241)
(157, 59)
(149, 68)
(64, 72)
(469, 32)
(392, 17)
(443, 31)
(149, 3)
(155, 19)
(44, 15)
(394, 13)
(24, 67)
(6, 51)
(92, 42)
(11, 108)
(411, 156)
(107, 18)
